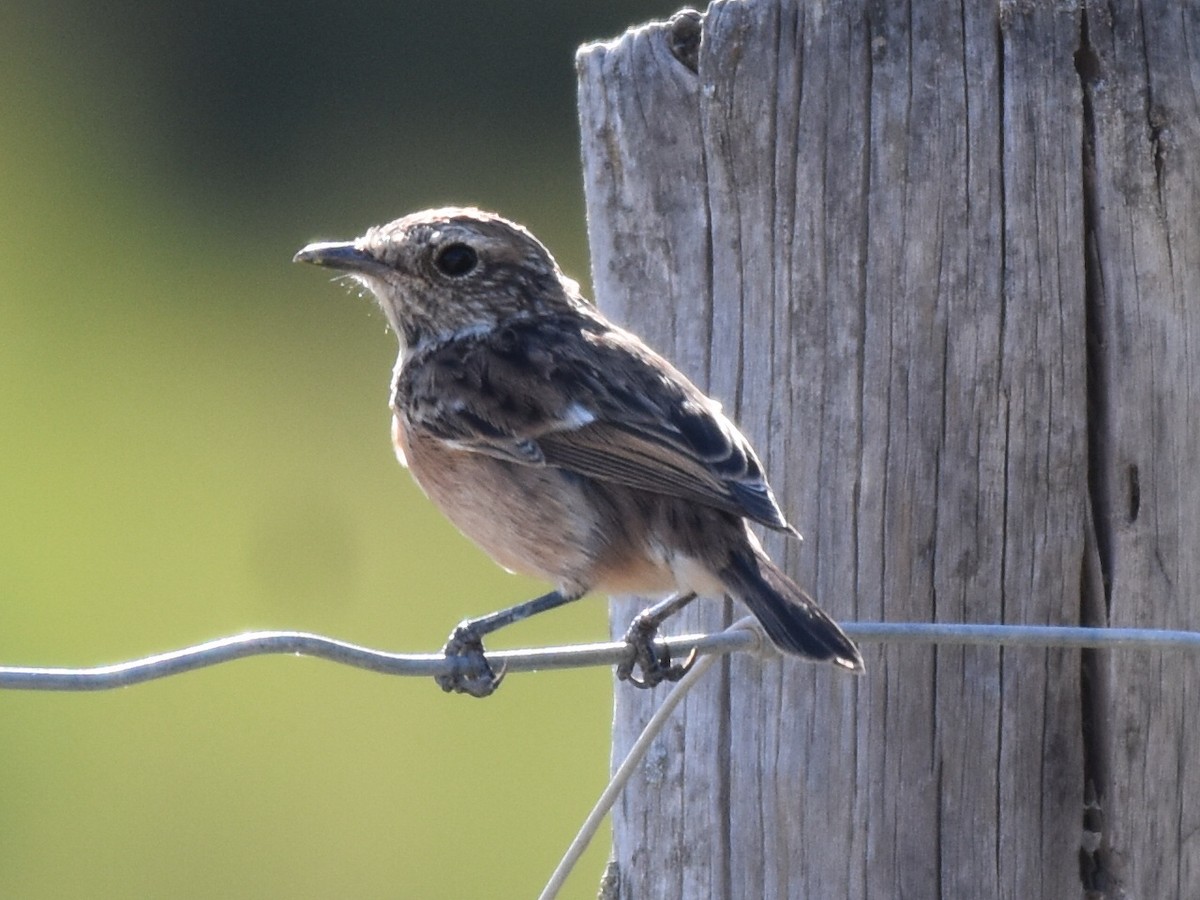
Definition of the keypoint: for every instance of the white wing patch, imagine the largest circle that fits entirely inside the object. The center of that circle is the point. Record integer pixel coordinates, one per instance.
(576, 416)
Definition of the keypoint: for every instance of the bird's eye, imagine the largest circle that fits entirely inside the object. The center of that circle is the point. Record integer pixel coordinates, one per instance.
(456, 260)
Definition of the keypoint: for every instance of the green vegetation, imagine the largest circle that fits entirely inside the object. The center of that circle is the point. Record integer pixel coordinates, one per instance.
(195, 443)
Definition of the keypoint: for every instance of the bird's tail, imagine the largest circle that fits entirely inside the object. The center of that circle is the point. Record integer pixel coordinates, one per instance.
(790, 617)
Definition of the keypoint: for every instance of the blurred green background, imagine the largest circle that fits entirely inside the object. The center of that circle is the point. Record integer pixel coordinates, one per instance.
(195, 443)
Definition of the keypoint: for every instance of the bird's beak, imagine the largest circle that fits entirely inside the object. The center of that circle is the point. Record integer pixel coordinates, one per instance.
(343, 255)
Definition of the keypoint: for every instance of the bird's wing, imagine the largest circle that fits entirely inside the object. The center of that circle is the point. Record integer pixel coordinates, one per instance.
(593, 400)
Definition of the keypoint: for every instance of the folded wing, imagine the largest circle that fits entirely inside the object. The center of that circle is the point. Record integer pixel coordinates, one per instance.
(593, 400)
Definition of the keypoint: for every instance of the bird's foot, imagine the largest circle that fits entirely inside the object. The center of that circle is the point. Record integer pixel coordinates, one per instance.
(473, 674)
(650, 655)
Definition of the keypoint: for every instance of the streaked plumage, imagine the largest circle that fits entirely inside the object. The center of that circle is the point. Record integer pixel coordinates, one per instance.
(559, 442)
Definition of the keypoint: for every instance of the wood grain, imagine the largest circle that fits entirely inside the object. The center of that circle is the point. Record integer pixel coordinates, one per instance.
(940, 261)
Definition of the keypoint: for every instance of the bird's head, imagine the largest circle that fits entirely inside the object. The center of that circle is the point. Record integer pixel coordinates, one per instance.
(444, 273)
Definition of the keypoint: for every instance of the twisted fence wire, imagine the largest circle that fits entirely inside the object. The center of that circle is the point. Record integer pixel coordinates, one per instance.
(296, 643)
(742, 635)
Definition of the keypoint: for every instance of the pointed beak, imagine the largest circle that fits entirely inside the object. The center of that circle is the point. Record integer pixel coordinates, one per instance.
(342, 255)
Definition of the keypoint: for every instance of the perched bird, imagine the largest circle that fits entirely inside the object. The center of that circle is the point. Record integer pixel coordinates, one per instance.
(563, 445)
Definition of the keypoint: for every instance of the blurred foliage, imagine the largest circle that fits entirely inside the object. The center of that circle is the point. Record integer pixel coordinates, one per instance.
(194, 444)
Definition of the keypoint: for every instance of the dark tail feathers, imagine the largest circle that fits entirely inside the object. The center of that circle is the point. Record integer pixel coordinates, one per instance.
(790, 617)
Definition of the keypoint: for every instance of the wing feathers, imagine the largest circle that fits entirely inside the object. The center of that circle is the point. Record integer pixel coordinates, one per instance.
(584, 396)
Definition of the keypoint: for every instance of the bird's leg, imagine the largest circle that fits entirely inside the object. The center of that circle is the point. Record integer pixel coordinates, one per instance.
(654, 659)
(474, 674)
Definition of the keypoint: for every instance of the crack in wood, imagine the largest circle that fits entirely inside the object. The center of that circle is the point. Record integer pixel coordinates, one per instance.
(1095, 858)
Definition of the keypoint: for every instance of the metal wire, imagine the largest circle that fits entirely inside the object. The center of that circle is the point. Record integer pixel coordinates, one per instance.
(742, 636)
(620, 778)
(260, 643)
(875, 632)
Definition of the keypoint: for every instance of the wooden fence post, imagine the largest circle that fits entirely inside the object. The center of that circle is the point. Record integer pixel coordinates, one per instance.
(942, 262)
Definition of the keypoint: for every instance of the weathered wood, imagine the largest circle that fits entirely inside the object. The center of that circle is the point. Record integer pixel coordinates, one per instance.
(1141, 75)
(886, 236)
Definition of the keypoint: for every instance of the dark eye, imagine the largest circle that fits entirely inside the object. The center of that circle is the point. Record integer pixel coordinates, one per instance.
(456, 260)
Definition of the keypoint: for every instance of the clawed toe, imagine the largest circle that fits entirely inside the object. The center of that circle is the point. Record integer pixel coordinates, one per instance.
(652, 657)
(473, 674)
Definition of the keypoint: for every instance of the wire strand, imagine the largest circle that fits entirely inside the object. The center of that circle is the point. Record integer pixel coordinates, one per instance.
(742, 635)
(624, 772)
(297, 643)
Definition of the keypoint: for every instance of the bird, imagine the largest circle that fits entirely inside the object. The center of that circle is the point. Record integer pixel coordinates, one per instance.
(564, 446)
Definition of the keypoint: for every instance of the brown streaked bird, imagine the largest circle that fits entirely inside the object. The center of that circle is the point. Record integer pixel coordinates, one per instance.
(563, 445)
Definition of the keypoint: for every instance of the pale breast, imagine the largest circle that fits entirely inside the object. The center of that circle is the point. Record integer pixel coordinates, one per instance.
(533, 520)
